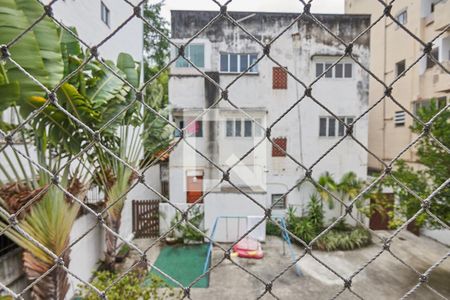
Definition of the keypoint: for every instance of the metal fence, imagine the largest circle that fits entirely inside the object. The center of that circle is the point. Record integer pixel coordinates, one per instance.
(222, 13)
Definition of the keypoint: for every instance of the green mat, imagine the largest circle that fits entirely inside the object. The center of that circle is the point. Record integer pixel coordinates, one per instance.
(183, 263)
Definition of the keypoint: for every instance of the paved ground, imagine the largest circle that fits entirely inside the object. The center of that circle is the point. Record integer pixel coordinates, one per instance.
(385, 278)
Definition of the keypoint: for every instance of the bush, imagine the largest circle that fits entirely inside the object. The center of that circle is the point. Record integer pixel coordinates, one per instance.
(272, 229)
(349, 239)
(129, 287)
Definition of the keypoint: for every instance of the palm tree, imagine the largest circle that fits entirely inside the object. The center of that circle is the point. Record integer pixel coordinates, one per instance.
(346, 189)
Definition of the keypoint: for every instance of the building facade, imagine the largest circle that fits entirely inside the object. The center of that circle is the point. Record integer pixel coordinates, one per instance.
(393, 51)
(225, 131)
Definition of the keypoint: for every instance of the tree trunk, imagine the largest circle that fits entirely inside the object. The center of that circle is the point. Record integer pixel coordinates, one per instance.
(111, 243)
(53, 286)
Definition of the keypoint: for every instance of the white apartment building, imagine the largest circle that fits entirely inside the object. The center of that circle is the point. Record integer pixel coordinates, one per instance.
(223, 133)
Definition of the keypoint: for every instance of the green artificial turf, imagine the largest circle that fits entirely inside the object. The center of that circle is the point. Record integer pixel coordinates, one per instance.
(183, 263)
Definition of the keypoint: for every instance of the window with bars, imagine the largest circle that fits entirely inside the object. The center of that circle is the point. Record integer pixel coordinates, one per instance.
(340, 70)
(195, 53)
(330, 127)
(279, 200)
(279, 151)
(279, 78)
(234, 63)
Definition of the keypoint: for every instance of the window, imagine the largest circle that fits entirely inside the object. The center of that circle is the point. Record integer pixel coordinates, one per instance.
(329, 126)
(435, 54)
(279, 200)
(340, 70)
(105, 13)
(242, 128)
(195, 53)
(400, 67)
(248, 126)
(234, 63)
(402, 17)
(399, 118)
(193, 129)
(440, 103)
(279, 78)
(281, 142)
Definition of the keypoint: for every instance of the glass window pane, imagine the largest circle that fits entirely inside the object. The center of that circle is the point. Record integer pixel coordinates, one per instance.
(319, 69)
(198, 128)
(341, 128)
(197, 55)
(243, 62)
(248, 128)
(253, 58)
(224, 62)
(329, 73)
(281, 204)
(338, 71)
(258, 130)
(237, 128)
(331, 127)
(348, 70)
(349, 120)
(181, 63)
(233, 63)
(323, 127)
(229, 128)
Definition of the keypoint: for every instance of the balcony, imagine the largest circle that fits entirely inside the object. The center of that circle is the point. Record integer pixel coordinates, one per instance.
(441, 80)
(441, 17)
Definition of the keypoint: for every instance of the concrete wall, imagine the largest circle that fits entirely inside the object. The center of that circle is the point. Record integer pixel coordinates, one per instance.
(440, 235)
(298, 49)
(87, 252)
(85, 15)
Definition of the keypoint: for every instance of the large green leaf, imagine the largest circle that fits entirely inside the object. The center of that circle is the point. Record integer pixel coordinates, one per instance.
(9, 94)
(47, 36)
(37, 52)
(125, 62)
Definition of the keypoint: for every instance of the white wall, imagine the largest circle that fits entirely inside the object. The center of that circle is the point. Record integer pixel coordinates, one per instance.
(344, 97)
(440, 235)
(85, 15)
(232, 204)
(87, 252)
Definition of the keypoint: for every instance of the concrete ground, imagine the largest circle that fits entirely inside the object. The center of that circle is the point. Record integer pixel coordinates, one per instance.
(384, 278)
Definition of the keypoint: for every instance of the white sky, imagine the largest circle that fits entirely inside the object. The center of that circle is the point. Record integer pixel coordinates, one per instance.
(317, 6)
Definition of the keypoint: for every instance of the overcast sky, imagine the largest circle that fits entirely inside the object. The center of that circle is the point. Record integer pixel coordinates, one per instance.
(317, 6)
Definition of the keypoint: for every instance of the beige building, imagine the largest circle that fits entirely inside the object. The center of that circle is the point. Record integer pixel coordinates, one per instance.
(392, 51)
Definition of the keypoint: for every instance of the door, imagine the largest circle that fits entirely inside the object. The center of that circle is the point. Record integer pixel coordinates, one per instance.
(146, 218)
(379, 219)
(194, 188)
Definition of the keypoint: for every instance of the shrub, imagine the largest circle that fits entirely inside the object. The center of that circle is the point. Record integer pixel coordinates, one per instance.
(129, 287)
(350, 239)
(315, 212)
(272, 229)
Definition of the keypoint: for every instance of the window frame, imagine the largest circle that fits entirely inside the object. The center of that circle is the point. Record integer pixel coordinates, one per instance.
(398, 64)
(403, 12)
(255, 132)
(332, 74)
(187, 52)
(180, 123)
(239, 69)
(398, 115)
(283, 202)
(339, 128)
(105, 14)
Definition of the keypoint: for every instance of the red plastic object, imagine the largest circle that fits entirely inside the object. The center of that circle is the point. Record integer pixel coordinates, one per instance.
(248, 248)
